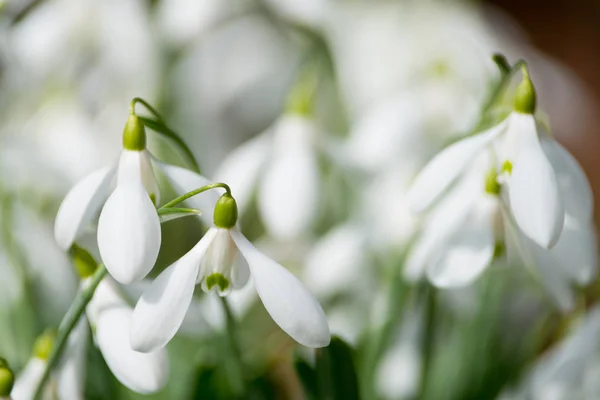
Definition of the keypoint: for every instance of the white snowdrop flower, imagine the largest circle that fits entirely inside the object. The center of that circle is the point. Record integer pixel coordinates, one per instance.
(110, 316)
(564, 373)
(459, 235)
(530, 161)
(216, 265)
(29, 378)
(281, 165)
(129, 234)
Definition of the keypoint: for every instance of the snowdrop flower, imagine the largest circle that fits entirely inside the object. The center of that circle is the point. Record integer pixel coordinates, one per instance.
(110, 315)
(529, 160)
(7, 380)
(29, 378)
(281, 164)
(459, 235)
(129, 233)
(216, 265)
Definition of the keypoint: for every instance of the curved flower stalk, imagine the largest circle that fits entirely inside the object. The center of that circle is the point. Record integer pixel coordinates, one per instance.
(280, 166)
(215, 264)
(129, 234)
(529, 160)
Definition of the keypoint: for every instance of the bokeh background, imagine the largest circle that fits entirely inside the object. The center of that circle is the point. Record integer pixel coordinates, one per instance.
(221, 73)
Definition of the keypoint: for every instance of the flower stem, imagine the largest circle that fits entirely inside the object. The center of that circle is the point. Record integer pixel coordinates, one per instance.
(428, 343)
(159, 126)
(67, 324)
(194, 192)
(238, 372)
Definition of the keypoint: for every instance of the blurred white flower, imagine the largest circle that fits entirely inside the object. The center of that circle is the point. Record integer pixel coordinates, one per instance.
(215, 263)
(529, 160)
(458, 237)
(281, 165)
(111, 317)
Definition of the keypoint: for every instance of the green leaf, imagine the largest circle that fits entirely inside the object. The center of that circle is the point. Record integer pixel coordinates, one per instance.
(169, 214)
(308, 377)
(336, 374)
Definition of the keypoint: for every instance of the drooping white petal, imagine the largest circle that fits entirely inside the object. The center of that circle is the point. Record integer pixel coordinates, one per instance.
(287, 301)
(575, 190)
(444, 168)
(143, 373)
(288, 194)
(241, 167)
(80, 205)
(129, 234)
(163, 306)
(469, 251)
(241, 273)
(535, 200)
(27, 381)
(336, 261)
(445, 219)
(70, 373)
(183, 181)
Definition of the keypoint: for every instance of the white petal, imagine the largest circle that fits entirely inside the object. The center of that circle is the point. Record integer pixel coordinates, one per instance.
(241, 168)
(533, 190)
(70, 373)
(240, 273)
(287, 301)
(28, 380)
(183, 181)
(148, 179)
(445, 219)
(574, 186)
(469, 251)
(288, 194)
(141, 372)
(80, 205)
(106, 296)
(163, 306)
(129, 234)
(444, 168)
(336, 262)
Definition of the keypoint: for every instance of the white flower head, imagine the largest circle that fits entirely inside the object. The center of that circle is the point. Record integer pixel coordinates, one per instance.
(110, 315)
(223, 260)
(129, 233)
(530, 161)
(281, 167)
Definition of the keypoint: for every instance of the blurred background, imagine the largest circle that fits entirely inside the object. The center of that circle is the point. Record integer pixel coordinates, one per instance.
(389, 84)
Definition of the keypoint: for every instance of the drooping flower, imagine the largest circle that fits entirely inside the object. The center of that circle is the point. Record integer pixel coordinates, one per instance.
(529, 160)
(281, 166)
(216, 265)
(129, 234)
(29, 378)
(111, 315)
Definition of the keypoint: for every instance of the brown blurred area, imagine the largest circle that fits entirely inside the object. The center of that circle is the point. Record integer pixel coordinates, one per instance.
(569, 31)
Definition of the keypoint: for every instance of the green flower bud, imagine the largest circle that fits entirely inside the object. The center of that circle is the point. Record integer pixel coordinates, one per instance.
(134, 134)
(43, 344)
(525, 98)
(226, 212)
(7, 379)
(84, 262)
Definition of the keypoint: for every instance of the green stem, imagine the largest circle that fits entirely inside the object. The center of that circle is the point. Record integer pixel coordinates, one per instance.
(238, 371)
(160, 127)
(145, 104)
(69, 321)
(428, 344)
(194, 192)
